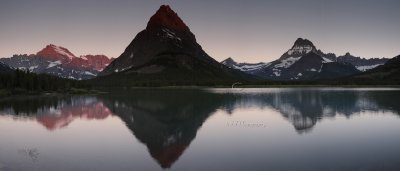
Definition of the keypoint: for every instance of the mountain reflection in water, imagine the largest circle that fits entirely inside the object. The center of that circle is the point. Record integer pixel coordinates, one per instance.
(167, 120)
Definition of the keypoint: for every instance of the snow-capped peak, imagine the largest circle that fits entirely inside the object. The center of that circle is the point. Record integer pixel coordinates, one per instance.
(301, 47)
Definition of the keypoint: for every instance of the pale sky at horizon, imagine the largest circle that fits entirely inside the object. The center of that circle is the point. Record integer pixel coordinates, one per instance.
(247, 31)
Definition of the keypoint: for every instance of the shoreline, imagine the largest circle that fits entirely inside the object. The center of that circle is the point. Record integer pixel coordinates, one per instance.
(106, 90)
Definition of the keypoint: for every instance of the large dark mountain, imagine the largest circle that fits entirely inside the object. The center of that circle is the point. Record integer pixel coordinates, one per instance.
(166, 52)
(389, 72)
(59, 61)
(303, 61)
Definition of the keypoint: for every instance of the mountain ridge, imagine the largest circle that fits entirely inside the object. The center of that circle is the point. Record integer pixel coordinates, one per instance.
(59, 61)
(288, 67)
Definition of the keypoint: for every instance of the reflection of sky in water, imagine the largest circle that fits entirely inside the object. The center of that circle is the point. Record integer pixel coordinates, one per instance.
(306, 129)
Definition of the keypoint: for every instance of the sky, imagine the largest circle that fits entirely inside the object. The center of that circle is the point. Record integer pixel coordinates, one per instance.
(246, 30)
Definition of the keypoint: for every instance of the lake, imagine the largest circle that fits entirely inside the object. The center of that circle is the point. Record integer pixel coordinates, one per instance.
(278, 129)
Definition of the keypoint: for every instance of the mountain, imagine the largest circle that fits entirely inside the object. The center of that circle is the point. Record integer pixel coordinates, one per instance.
(59, 61)
(300, 48)
(166, 52)
(389, 72)
(303, 61)
(96, 62)
(56, 53)
(362, 64)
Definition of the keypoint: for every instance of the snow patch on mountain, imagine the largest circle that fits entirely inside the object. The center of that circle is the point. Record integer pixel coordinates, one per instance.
(84, 58)
(249, 67)
(286, 63)
(368, 67)
(170, 34)
(277, 72)
(33, 67)
(52, 64)
(326, 60)
(300, 50)
(312, 70)
(89, 73)
(62, 51)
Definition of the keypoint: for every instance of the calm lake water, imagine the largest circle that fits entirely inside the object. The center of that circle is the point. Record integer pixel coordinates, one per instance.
(280, 129)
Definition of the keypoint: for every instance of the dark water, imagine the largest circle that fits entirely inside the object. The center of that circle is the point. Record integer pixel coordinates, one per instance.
(210, 129)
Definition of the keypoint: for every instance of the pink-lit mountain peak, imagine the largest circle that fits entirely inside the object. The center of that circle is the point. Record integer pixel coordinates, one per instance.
(54, 52)
(67, 58)
(167, 18)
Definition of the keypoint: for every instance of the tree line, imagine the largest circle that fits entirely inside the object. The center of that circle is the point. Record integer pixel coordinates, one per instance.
(27, 81)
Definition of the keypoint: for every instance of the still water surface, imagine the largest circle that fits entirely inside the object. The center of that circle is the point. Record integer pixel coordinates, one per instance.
(280, 129)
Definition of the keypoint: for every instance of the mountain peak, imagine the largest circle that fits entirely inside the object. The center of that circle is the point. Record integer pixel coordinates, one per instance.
(55, 52)
(300, 47)
(303, 42)
(166, 17)
(168, 49)
(229, 62)
(53, 46)
(229, 59)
